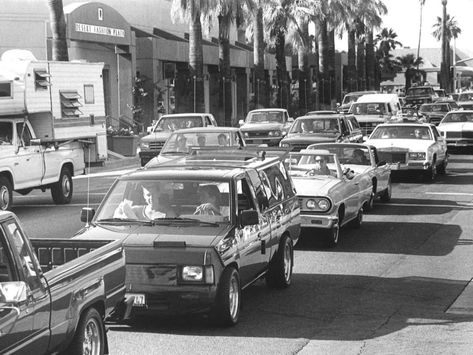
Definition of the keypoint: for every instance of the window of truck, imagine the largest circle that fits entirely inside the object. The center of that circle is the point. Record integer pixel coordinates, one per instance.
(6, 133)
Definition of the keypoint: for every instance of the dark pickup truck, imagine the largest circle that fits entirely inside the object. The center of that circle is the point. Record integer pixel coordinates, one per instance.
(56, 293)
(418, 95)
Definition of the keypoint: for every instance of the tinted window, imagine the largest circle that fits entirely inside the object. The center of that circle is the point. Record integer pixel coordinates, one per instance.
(6, 133)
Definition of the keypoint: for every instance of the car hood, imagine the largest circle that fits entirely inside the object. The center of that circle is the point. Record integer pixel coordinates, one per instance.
(410, 144)
(157, 136)
(313, 185)
(371, 118)
(262, 127)
(310, 138)
(193, 235)
(456, 127)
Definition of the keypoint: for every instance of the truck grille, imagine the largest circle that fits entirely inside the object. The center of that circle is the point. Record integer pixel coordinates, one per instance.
(465, 134)
(392, 157)
(368, 127)
(156, 145)
(257, 134)
(151, 274)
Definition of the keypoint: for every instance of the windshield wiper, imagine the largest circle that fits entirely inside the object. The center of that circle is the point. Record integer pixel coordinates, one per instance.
(122, 220)
(169, 220)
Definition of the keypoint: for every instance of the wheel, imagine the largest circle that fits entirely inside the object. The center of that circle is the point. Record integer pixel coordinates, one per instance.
(429, 174)
(89, 337)
(356, 223)
(442, 168)
(61, 191)
(386, 194)
(280, 268)
(368, 205)
(6, 194)
(333, 235)
(227, 304)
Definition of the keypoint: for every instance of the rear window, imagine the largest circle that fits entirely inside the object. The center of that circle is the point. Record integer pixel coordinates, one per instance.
(175, 123)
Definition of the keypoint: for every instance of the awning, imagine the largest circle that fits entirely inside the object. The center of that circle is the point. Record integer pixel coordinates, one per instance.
(141, 33)
(166, 35)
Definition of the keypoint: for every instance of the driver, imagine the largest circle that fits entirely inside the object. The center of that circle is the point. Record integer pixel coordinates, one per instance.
(320, 167)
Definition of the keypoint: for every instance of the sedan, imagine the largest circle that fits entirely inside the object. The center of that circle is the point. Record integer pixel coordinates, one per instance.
(457, 128)
(414, 147)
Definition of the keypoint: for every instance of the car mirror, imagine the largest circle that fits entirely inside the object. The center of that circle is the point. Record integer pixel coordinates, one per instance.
(149, 129)
(348, 173)
(86, 214)
(241, 122)
(35, 141)
(13, 292)
(249, 218)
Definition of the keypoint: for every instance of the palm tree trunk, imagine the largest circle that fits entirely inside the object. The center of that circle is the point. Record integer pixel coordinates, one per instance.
(281, 71)
(331, 68)
(420, 30)
(443, 65)
(305, 83)
(370, 61)
(225, 94)
(259, 84)
(324, 64)
(351, 70)
(360, 64)
(58, 29)
(196, 58)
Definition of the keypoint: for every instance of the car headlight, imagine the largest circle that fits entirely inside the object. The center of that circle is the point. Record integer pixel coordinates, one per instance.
(321, 204)
(200, 274)
(274, 133)
(144, 145)
(417, 156)
(284, 145)
(246, 134)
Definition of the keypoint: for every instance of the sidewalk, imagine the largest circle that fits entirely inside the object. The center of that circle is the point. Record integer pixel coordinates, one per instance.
(115, 161)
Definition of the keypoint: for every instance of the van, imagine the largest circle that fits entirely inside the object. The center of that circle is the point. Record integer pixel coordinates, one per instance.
(373, 109)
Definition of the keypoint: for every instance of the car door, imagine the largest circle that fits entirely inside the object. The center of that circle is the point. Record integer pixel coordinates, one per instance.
(441, 144)
(382, 172)
(252, 240)
(28, 165)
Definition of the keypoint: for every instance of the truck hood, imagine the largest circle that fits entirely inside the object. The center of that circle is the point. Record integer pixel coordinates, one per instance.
(410, 144)
(456, 127)
(192, 235)
(157, 136)
(313, 185)
(310, 138)
(262, 127)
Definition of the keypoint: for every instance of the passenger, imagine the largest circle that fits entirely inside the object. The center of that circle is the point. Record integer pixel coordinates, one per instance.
(320, 167)
(157, 206)
(181, 144)
(305, 127)
(209, 197)
(358, 157)
(223, 140)
(201, 141)
(417, 134)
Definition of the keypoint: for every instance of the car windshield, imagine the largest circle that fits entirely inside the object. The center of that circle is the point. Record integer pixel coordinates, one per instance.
(175, 123)
(166, 201)
(434, 108)
(401, 132)
(312, 164)
(181, 143)
(466, 96)
(368, 108)
(458, 117)
(419, 91)
(315, 125)
(348, 154)
(265, 117)
(351, 98)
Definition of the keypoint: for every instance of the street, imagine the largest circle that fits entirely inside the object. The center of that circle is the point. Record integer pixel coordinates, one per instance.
(396, 285)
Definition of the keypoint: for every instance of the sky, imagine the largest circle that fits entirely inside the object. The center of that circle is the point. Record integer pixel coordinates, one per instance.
(404, 16)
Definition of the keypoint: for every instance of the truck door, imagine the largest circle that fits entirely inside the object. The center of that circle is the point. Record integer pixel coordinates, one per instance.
(28, 163)
(35, 312)
(252, 239)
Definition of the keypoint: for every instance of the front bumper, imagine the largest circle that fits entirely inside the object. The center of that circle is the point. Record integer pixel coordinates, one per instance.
(270, 141)
(325, 221)
(411, 166)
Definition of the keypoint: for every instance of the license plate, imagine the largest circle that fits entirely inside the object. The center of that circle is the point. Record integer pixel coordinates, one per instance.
(139, 299)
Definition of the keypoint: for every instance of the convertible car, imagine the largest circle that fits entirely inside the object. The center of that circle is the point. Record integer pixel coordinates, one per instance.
(329, 196)
(363, 159)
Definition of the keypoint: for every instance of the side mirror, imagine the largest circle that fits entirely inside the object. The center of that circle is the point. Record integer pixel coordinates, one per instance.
(149, 129)
(249, 218)
(86, 214)
(290, 119)
(35, 141)
(13, 292)
(241, 122)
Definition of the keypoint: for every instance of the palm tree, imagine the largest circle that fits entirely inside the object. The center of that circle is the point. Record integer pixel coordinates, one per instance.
(386, 41)
(192, 10)
(58, 29)
(422, 3)
(410, 63)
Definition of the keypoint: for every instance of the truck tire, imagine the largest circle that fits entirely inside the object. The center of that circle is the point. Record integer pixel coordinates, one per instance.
(90, 335)
(280, 268)
(61, 191)
(6, 194)
(226, 310)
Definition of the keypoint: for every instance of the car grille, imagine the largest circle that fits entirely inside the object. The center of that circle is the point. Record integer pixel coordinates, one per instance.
(151, 274)
(156, 145)
(392, 157)
(257, 134)
(465, 134)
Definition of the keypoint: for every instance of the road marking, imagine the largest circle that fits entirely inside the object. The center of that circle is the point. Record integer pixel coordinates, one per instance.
(450, 193)
(460, 205)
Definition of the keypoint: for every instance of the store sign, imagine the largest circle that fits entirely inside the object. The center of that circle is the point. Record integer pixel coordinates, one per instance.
(99, 30)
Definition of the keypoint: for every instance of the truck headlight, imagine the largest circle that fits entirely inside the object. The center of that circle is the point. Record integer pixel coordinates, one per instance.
(284, 145)
(417, 156)
(274, 133)
(144, 145)
(200, 274)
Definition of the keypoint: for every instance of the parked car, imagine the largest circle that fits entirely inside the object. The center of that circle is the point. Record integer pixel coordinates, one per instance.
(457, 128)
(213, 226)
(330, 196)
(181, 142)
(151, 145)
(434, 112)
(266, 126)
(418, 95)
(414, 147)
(371, 110)
(351, 97)
(56, 293)
(321, 128)
(363, 159)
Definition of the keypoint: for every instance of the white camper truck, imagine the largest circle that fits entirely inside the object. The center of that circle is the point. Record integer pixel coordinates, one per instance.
(52, 121)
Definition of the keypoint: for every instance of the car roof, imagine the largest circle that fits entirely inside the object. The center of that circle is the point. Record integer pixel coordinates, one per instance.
(362, 92)
(322, 112)
(331, 144)
(377, 98)
(190, 114)
(207, 129)
(268, 109)
(327, 115)
(406, 124)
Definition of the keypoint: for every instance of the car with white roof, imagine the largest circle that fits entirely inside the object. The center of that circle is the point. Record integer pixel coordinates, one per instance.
(266, 126)
(457, 128)
(417, 147)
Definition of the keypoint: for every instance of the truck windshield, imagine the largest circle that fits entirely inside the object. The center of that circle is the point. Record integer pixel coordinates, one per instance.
(174, 123)
(166, 200)
(368, 108)
(179, 143)
(265, 117)
(315, 125)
